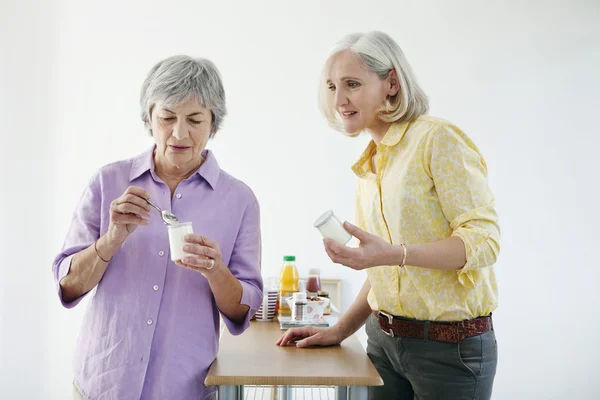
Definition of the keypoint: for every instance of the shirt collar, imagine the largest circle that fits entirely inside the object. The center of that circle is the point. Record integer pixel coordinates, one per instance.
(392, 137)
(209, 170)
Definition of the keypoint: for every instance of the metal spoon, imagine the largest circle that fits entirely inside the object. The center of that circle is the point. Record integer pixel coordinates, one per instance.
(168, 217)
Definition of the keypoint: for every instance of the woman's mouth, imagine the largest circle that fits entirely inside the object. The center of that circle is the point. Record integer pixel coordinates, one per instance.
(178, 149)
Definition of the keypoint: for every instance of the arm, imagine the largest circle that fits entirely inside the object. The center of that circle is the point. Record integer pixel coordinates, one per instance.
(237, 288)
(86, 269)
(350, 322)
(79, 268)
(460, 177)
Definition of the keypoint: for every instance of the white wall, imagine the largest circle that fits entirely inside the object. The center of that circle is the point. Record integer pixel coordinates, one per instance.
(520, 79)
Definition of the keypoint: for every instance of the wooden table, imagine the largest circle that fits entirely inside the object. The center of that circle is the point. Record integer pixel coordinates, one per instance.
(253, 359)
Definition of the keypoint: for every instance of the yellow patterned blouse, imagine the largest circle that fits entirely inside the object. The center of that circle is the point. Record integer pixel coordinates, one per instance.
(430, 184)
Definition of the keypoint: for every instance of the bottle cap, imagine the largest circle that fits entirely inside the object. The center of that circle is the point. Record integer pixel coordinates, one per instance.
(314, 271)
(299, 297)
(289, 258)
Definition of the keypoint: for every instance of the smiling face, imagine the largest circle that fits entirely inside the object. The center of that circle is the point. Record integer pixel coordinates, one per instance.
(181, 133)
(358, 94)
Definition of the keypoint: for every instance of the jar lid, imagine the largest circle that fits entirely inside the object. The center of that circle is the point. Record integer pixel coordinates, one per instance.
(289, 258)
(299, 296)
(323, 218)
(314, 271)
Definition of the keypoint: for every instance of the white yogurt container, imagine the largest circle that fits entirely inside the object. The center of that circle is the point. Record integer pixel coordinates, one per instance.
(331, 227)
(177, 234)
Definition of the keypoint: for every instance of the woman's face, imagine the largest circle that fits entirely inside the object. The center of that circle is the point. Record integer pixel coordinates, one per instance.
(357, 93)
(181, 132)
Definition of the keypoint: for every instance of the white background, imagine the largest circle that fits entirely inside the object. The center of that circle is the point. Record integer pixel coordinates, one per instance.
(521, 78)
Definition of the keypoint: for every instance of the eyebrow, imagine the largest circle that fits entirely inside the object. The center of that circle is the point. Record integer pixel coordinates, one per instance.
(189, 115)
(345, 78)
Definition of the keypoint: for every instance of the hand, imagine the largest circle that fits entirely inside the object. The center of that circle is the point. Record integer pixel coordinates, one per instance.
(127, 212)
(205, 254)
(311, 336)
(373, 251)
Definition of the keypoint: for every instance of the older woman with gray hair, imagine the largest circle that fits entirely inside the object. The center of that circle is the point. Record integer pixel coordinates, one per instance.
(151, 329)
(428, 231)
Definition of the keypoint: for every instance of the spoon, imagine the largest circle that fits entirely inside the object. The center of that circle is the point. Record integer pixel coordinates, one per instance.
(168, 217)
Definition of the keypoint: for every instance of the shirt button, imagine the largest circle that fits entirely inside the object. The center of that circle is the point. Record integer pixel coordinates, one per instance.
(161, 253)
(150, 321)
(155, 288)
(178, 195)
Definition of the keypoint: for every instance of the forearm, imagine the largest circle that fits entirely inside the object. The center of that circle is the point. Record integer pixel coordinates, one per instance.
(357, 314)
(87, 269)
(227, 290)
(447, 254)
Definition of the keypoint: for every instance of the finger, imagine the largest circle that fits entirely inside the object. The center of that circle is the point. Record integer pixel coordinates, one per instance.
(203, 240)
(201, 251)
(339, 249)
(356, 231)
(130, 208)
(135, 199)
(292, 334)
(311, 340)
(138, 191)
(338, 259)
(124, 219)
(197, 262)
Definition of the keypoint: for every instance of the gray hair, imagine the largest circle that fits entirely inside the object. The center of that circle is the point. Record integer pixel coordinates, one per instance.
(380, 54)
(177, 79)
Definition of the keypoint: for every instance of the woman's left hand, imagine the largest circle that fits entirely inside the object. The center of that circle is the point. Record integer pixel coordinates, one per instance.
(204, 254)
(373, 251)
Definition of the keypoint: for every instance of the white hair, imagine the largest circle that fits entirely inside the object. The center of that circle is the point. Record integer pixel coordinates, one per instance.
(177, 79)
(380, 54)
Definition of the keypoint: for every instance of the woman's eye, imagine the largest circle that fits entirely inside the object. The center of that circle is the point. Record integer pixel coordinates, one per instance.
(331, 88)
(194, 122)
(352, 84)
(167, 118)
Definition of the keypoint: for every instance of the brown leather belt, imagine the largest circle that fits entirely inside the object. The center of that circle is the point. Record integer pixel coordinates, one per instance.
(452, 332)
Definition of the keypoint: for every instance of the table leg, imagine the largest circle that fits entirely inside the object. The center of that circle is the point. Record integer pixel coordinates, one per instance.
(284, 392)
(352, 393)
(233, 392)
(358, 392)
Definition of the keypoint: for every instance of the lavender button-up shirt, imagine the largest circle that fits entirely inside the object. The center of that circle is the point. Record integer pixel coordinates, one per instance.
(151, 330)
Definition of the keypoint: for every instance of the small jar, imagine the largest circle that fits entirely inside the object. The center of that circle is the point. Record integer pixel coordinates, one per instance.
(298, 306)
(177, 234)
(313, 286)
(331, 227)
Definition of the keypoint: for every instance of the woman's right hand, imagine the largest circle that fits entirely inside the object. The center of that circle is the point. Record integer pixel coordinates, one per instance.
(311, 336)
(127, 212)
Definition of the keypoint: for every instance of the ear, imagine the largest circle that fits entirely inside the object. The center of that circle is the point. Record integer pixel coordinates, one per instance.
(394, 83)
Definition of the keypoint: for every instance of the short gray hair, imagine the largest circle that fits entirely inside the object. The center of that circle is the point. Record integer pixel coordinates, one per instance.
(380, 54)
(177, 79)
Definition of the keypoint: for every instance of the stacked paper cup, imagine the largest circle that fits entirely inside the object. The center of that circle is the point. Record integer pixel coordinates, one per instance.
(269, 303)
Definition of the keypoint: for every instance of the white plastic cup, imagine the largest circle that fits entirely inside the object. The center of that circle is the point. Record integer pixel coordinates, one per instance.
(332, 228)
(177, 234)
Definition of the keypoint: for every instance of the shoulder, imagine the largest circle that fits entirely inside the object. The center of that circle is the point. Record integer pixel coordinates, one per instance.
(237, 189)
(441, 132)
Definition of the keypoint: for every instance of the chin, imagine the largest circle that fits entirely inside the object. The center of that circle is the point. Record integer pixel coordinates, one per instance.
(353, 129)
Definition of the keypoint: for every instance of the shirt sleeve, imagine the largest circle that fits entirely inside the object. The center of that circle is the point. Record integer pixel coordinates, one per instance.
(245, 265)
(459, 173)
(83, 231)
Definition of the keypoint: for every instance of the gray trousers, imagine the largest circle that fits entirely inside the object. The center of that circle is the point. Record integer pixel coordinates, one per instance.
(423, 369)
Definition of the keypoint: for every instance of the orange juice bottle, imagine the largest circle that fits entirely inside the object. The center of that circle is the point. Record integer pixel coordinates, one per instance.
(288, 283)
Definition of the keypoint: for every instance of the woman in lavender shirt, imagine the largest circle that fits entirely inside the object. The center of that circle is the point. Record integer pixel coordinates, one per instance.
(151, 329)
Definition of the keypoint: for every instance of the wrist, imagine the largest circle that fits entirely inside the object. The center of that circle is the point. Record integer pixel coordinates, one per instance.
(107, 246)
(394, 255)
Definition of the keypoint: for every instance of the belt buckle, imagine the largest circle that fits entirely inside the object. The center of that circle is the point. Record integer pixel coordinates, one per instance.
(390, 320)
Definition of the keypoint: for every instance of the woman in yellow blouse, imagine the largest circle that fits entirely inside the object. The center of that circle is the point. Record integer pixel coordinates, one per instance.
(428, 232)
